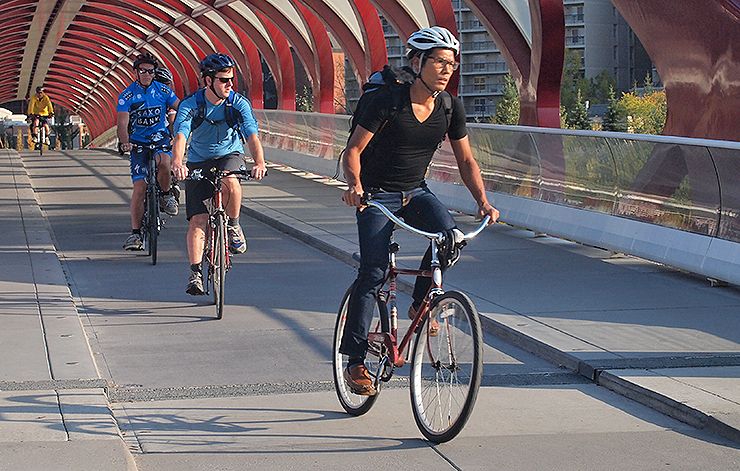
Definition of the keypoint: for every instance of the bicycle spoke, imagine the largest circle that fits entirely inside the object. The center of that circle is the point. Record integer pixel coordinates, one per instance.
(446, 368)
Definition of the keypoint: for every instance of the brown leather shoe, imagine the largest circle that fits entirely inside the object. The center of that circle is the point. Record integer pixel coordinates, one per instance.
(359, 380)
(433, 324)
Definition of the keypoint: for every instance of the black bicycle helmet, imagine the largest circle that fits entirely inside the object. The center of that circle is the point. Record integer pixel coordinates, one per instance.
(163, 75)
(213, 63)
(146, 58)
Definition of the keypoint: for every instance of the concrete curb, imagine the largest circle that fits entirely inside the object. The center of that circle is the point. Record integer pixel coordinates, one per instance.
(593, 371)
(667, 405)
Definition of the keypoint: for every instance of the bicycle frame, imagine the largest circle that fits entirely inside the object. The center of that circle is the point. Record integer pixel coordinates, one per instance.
(152, 223)
(388, 307)
(216, 208)
(39, 132)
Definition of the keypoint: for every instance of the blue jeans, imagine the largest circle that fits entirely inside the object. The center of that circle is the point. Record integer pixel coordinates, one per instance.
(422, 210)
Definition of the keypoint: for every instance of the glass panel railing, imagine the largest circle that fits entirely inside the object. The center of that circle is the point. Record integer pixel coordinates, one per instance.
(668, 181)
(727, 163)
(669, 184)
(508, 161)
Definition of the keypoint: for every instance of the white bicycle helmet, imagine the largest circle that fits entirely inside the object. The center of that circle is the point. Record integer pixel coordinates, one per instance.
(430, 38)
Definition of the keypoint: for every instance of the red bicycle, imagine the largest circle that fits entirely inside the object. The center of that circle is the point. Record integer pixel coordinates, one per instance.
(446, 367)
(216, 260)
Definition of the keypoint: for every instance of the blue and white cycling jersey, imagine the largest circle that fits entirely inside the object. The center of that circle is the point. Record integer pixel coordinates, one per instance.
(147, 109)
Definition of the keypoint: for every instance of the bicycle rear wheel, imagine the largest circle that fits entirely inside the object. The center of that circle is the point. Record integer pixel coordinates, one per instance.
(219, 264)
(152, 209)
(353, 403)
(446, 369)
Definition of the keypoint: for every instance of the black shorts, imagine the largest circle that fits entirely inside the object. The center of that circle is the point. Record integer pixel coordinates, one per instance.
(196, 192)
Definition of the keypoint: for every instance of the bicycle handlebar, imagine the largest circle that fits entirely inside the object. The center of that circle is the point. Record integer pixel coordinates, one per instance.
(439, 236)
(197, 174)
(140, 147)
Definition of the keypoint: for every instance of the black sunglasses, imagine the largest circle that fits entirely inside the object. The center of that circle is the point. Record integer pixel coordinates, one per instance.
(146, 71)
(224, 79)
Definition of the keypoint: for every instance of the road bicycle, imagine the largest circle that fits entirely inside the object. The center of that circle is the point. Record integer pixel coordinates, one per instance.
(152, 221)
(216, 261)
(446, 365)
(40, 133)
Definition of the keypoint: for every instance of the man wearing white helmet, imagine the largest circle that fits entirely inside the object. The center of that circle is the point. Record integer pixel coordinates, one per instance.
(392, 171)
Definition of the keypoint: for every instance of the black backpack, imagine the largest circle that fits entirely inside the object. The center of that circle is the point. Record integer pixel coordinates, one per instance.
(394, 81)
(232, 117)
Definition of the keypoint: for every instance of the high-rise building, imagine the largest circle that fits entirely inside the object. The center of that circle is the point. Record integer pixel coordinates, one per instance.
(594, 29)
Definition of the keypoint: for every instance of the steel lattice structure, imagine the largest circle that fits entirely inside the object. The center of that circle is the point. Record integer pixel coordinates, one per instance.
(82, 50)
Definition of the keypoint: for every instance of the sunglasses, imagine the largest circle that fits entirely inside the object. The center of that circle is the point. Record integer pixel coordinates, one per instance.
(225, 79)
(146, 71)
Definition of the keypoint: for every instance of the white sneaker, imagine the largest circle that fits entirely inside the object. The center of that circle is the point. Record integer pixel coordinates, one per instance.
(168, 204)
(134, 242)
(237, 241)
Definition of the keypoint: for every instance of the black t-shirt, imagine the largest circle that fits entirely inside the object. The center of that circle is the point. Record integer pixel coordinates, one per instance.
(402, 151)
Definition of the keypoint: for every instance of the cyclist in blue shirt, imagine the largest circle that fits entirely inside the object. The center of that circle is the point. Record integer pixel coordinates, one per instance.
(218, 119)
(142, 120)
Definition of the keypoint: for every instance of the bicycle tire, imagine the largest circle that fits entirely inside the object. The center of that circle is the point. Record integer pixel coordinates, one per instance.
(153, 210)
(353, 404)
(40, 136)
(446, 369)
(219, 265)
(206, 269)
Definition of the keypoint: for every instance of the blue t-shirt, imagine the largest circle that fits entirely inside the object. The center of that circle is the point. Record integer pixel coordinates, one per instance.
(214, 139)
(147, 109)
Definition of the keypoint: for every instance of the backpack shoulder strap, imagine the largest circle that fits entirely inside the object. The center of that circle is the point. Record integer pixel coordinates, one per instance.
(447, 104)
(233, 117)
(397, 92)
(200, 110)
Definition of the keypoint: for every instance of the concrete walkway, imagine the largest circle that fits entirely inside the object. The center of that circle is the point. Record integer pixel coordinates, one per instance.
(664, 338)
(53, 410)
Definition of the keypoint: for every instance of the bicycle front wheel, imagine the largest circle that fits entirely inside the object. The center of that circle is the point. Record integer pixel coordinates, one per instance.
(353, 403)
(41, 136)
(219, 265)
(153, 219)
(446, 368)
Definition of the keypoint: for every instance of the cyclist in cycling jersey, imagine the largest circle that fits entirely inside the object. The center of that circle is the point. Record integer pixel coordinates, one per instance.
(393, 173)
(142, 121)
(40, 109)
(216, 143)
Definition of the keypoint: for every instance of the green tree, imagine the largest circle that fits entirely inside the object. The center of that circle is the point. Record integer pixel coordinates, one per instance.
(577, 117)
(304, 100)
(507, 109)
(599, 87)
(615, 118)
(645, 113)
(563, 118)
(573, 80)
(648, 88)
